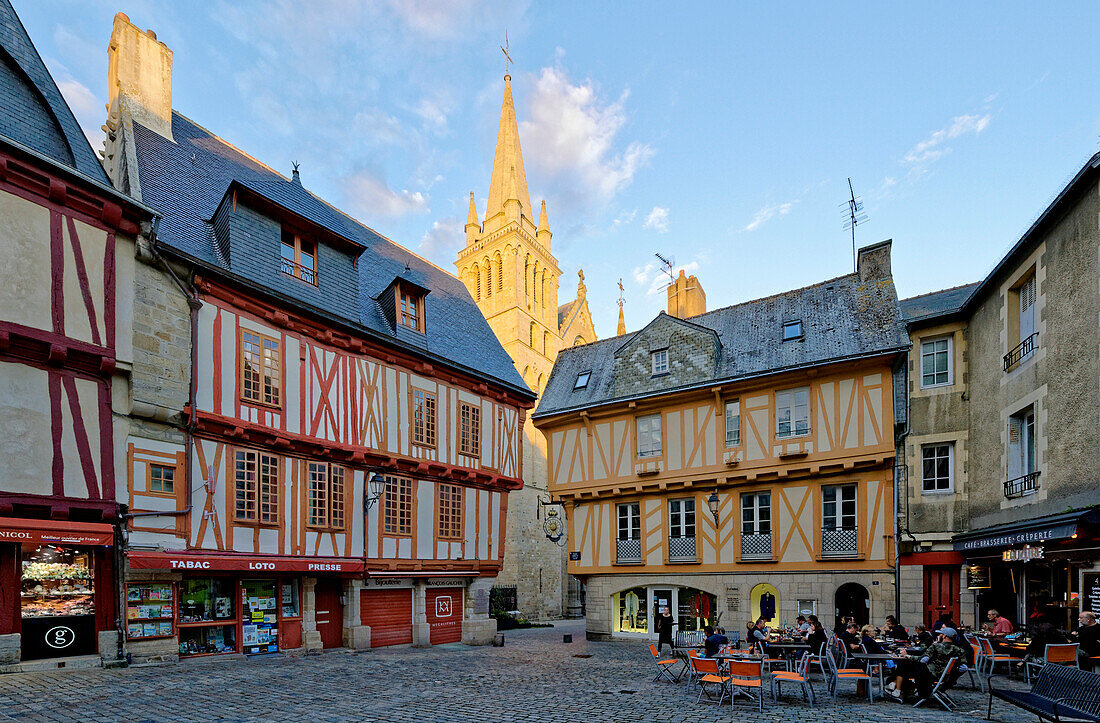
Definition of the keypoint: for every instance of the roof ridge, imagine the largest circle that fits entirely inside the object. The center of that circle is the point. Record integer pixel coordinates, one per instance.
(775, 296)
(335, 208)
(940, 291)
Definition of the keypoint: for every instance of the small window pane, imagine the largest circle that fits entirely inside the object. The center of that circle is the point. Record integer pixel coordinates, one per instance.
(582, 380)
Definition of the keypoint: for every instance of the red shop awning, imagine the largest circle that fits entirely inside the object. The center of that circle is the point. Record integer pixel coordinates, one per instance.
(200, 561)
(56, 532)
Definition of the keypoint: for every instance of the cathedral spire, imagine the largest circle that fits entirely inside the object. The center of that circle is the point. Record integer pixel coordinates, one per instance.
(622, 321)
(509, 182)
(543, 234)
(473, 227)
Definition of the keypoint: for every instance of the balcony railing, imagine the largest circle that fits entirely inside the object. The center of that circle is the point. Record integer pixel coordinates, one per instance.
(756, 547)
(628, 551)
(305, 273)
(681, 549)
(1021, 351)
(840, 542)
(1021, 486)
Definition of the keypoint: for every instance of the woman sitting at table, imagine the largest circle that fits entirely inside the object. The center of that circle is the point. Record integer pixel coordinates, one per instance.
(817, 636)
(1042, 635)
(867, 640)
(922, 639)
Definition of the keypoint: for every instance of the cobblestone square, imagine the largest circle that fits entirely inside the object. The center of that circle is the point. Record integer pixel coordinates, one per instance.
(535, 676)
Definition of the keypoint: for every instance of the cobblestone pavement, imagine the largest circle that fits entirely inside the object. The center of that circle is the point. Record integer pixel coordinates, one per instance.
(534, 677)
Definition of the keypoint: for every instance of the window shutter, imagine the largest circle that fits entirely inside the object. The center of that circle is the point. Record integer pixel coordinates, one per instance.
(1027, 309)
(1015, 448)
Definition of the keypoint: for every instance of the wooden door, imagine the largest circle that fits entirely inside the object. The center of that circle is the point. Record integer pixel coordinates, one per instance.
(329, 612)
(444, 613)
(941, 592)
(389, 615)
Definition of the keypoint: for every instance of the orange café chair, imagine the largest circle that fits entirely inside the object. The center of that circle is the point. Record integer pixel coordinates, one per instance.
(664, 667)
(710, 674)
(748, 675)
(801, 676)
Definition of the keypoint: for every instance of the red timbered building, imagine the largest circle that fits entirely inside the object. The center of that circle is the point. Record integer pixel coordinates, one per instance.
(65, 353)
(352, 427)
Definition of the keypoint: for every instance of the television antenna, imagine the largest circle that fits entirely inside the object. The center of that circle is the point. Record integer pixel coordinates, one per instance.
(854, 215)
(668, 265)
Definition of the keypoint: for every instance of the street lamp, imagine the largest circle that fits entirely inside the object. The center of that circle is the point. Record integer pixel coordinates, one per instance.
(375, 488)
(712, 503)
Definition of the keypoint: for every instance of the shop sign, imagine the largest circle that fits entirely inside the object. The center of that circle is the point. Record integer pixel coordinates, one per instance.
(388, 582)
(1023, 537)
(1090, 592)
(1024, 554)
(446, 582)
(977, 577)
(201, 563)
(56, 532)
(574, 556)
(481, 601)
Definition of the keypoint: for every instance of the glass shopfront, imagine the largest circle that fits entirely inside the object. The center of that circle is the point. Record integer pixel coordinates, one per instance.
(57, 601)
(634, 610)
(207, 623)
(259, 613)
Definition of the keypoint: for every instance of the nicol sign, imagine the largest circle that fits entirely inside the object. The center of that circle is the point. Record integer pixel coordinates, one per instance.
(1023, 554)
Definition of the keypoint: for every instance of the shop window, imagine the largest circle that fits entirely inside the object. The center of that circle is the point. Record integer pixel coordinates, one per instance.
(681, 526)
(325, 496)
(256, 496)
(424, 422)
(57, 582)
(629, 541)
(150, 611)
(292, 607)
(935, 362)
(261, 369)
(695, 609)
(838, 519)
(660, 362)
(792, 413)
(733, 423)
(162, 478)
(207, 624)
(259, 615)
(299, 257)
(449, 502)
(398, 506)
(469, 442)
(937, 466)
(649, 435)
(631, 614)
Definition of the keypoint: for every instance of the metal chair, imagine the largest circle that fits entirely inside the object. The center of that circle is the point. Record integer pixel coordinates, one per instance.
(745, 676)
(710, 674)
(853, 674)
(939, 690)
(663, 665)
(800, 676)
(1055, 653)
(992, 659)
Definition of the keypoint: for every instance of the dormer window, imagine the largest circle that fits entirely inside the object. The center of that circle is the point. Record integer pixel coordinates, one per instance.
(582, 380)
(410, 309)
(792, 330)
(660, 361)
(299, 257)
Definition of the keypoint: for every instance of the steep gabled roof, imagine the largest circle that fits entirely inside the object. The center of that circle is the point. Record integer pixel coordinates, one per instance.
(188, 178)
(936, 304)
(841, 319)
(33, 113)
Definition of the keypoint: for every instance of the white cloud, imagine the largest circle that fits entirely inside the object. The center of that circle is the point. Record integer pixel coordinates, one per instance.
(767, 213)
(571, 138)
(657, 220)
(87, 108)
(933, 147)
(443, 239)
(655, 277)
(624, 219)
(369, 195)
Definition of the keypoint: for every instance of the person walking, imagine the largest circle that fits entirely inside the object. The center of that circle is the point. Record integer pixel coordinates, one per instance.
(664, 624)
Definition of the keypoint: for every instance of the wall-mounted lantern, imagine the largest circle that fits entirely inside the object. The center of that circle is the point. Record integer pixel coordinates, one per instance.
(712, 503)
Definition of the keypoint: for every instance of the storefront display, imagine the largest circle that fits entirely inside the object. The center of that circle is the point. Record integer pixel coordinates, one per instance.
(631, 611)
(291, 604)
(150, 611)
(57, 598)
(696, 609)
(259, 614)
(207, 616)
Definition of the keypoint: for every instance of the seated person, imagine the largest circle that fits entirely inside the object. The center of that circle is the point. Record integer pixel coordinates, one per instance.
(802, 625)
(943, 621)
(922, 638)
(817, 636)
(713, 643)
(1042, 635)
(850, 637)
(997, 625)
(893, 630)
(843, 624)
(928, 669)
(1088, 637)
(867, 640)
(758, 635)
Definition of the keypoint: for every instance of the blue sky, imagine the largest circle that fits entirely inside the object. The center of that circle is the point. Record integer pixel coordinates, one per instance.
(719, 134)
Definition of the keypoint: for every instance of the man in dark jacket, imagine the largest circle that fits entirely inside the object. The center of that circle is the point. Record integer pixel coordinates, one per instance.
(1088, 636)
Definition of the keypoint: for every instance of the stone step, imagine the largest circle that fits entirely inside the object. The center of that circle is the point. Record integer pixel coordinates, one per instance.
(78, 662)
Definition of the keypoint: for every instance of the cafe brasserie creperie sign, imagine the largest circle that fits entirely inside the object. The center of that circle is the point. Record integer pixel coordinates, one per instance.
(1024, 554)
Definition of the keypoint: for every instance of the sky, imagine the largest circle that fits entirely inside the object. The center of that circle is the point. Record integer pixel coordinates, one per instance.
(720, 135)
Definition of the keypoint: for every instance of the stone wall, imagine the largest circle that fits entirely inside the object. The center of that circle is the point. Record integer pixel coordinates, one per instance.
(162, 344)
(692, 356)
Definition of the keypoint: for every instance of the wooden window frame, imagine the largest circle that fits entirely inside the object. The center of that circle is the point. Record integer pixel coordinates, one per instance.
(398, 509)
(264, 492)
(726, 426)
(469, 429)
(298, 270)
(948, 351)
(934, 447)
(264, 366)
(331, 494)
(662, 368)
(659, 453)
(424, 430)
(149, 465)
(449, 522)
(417, 302)
(793, 432)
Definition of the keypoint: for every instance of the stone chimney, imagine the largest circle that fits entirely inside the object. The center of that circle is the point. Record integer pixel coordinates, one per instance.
(874, 262)
(139, 76)
(686, 297)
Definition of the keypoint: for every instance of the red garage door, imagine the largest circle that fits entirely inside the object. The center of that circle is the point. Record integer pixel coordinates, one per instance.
(389, 615)
(444, 608)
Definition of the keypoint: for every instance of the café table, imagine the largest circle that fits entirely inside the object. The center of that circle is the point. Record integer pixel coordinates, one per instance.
(871, 658)
(740, 656)
(789, 650)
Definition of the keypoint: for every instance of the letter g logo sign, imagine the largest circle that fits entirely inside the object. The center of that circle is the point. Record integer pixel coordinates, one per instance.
(60, 637)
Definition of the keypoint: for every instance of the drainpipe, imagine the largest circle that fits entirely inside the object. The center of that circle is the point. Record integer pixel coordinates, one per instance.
(901, 470)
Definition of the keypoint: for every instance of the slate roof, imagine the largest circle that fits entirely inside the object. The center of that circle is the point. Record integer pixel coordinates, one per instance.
(33, 113)
(188, 178)
(841, 319)
(936, 303)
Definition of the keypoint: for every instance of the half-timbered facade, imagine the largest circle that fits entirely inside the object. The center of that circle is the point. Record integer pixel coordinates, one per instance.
(65, 355)
(352, 426)
(736, 464)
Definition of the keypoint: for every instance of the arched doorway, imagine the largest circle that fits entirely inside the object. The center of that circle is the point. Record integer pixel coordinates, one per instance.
(853, 599)
(764, 602)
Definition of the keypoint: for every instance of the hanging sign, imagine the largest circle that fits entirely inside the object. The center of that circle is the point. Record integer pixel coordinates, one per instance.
(1090, 592)
(977, 577)
(1023, 554)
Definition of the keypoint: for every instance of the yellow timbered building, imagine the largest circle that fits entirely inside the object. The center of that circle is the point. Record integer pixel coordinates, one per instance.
(735, 464)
